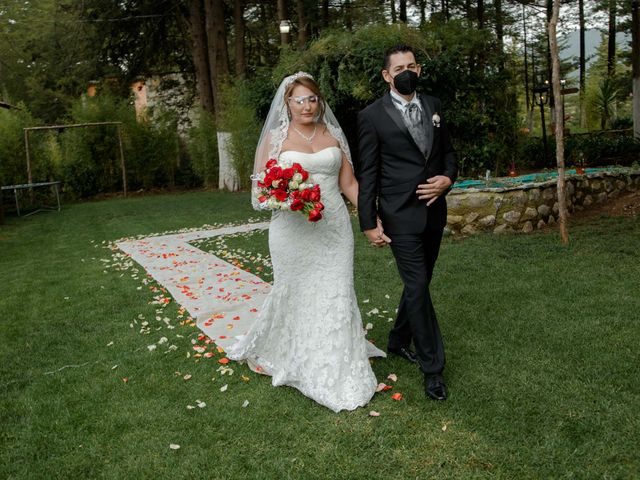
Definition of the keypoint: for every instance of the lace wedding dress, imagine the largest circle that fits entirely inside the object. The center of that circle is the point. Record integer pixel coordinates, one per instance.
(309, 332)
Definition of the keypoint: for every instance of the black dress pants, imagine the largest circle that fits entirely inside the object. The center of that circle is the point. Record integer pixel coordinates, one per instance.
(416, 256)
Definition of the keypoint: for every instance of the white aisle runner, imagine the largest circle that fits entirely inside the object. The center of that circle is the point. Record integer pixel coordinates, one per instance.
(223, 299)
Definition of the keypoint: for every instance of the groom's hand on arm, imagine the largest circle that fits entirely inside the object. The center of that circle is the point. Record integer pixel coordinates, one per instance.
(434, 187)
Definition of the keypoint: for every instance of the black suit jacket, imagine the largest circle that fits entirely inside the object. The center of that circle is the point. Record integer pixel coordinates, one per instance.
(391, 166)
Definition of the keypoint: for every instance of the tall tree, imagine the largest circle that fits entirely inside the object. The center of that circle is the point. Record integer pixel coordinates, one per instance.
(635, 65)
(555, 60)
(239, 34)
(216, 48)
(499, 21)
(403, 11)
(303, 24)
(197, 29)
(611, 45)
(283, 16)
(582, 63)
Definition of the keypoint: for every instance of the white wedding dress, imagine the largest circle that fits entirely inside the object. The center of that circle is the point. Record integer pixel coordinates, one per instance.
(309, 332)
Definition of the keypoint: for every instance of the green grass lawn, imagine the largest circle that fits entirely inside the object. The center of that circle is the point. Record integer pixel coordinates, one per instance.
(542, 347)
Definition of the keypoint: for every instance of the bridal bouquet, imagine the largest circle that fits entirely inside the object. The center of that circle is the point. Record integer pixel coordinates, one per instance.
(288, 187)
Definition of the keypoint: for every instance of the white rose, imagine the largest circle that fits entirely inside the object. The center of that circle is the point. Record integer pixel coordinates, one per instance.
(297, 177)
(293, 185)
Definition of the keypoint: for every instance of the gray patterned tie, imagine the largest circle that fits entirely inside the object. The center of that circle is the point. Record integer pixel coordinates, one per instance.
(413, 120)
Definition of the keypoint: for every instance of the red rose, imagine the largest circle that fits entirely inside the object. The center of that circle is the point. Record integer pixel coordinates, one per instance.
(314, 215)
(262, 198)
(287, 173)
(314, 196)
(268, 180)
(295, 194)
(276, 172)
(297, 204)
(297, 167)
(318, 206)
(280, 194)
(271, 163)
(304, 174)
(306, 195)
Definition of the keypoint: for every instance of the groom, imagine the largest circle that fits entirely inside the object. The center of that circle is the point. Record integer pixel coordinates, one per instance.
(406, 167)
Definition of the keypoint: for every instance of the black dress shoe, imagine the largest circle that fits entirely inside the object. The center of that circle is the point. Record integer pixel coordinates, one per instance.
(404, 353)
(435, 388)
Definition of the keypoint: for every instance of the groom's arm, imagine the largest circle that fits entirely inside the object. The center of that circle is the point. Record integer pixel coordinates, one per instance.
(367, 172)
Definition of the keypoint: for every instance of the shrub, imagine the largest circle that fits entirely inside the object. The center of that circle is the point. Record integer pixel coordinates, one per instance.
(202, 146)
(238, 118)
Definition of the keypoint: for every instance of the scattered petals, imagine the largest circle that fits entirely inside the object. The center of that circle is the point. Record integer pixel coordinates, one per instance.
(224, 388)
(223, 361)
(174, 446)
(245, 404)
(110, 343)
(152, 347)
(373, 413)
(125, 379)
(444, 427)
(188, 376)
(393, 377)
(368, 326)
(383, 387)
(244, 378)
(397, 396)
(200, 404)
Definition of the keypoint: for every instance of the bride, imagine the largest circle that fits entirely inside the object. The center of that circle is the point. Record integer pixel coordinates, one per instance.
(309, 332)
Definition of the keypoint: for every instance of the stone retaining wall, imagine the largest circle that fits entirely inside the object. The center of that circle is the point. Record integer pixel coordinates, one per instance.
(531, 206)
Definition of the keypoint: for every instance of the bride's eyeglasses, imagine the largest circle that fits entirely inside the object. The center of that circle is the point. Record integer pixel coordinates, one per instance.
(301, 99)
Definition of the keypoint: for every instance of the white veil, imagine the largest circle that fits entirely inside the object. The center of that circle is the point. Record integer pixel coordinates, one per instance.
(276, 126)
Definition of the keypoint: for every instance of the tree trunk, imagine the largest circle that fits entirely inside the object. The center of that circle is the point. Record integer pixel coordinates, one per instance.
(635, 65)
(422, 5)
(283, 15)
(348, 16)
(497, 5)
(555, 59)
(200, 54)
(611, 44)
(480, 14)
(526, 60)
(403, 11)
(552, 97)
(325, 14)
(216, 48)
(303, 25)
(238, 17)
(394, 17)
(583, 70)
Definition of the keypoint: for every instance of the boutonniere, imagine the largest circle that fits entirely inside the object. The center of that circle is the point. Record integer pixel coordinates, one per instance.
(436, 120)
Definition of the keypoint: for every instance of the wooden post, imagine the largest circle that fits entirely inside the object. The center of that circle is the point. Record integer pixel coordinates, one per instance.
(555, 82)
(124, 170)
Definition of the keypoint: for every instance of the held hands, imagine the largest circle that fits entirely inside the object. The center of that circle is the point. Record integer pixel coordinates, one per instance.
(434, 187)
(376, 236)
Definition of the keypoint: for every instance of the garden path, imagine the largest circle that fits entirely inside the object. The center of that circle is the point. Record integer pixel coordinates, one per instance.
(222, 298)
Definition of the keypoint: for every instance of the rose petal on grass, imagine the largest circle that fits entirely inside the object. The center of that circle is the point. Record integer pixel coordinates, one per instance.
(190, 407)
(200, 404)
(244, 378)
(152, 347)
(393, 377)
(383, 387)
(224, 388)
(188, 376)
(444, 427)
(110, 343)
(174, 446)
(373, 413)
(368, 326)
(223, 361)
(397, 396)
(245, 404)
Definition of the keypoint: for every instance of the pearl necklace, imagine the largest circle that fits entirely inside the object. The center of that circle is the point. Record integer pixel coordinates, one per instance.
(307, 138)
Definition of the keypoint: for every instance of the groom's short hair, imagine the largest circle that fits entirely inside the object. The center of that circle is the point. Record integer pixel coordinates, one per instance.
(400, 48)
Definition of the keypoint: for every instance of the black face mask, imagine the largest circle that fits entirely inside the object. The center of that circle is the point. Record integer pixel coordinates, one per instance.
(406, 82)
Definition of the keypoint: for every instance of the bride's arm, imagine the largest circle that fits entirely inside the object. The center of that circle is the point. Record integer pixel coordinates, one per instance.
(348, 183)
